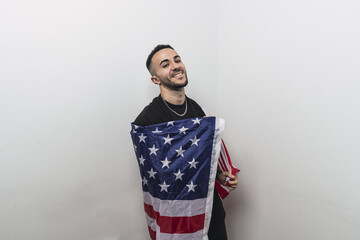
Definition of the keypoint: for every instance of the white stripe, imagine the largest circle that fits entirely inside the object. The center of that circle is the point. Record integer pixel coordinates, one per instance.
(151, 222)
(219, 128)
(183, 236)
(225, 158)
(176, 208)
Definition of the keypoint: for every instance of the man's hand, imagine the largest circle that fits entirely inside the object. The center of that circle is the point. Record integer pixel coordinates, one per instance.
(227, 179)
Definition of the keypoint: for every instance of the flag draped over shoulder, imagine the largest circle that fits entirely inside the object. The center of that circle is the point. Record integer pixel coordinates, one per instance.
(178, 165)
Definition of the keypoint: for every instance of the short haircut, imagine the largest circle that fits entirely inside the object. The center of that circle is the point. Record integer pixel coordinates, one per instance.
(154, 51)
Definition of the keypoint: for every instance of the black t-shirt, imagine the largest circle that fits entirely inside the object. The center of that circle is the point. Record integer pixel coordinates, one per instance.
(157, 112)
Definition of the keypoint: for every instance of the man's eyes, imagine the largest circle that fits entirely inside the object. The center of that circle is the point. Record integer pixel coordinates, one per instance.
(167, 64)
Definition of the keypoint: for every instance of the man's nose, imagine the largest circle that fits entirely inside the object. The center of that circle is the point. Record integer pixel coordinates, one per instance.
(175, 66)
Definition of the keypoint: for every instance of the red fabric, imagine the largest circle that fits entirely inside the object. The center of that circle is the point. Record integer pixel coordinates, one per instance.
(176, 224)
(225, 164)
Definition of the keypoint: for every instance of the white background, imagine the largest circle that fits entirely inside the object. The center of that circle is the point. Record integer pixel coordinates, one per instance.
(284, 75)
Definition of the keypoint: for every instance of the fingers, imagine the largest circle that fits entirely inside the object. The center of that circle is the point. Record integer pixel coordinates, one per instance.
(229, 180)
(232, 182)
(228, 174)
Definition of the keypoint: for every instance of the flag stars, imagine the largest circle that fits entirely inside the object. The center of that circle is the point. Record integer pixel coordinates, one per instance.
(178, 175)
(191, 187)
(164, 187)
(165, 163)
(156, 130)
(153, 150)
(197, 120)
(180, 152)
(183, 130)
(193, 163)
(142, 160)
(142, 138)
(194, 141)
(170, 123)
(152, 173)
(144, 181)
(168, 139)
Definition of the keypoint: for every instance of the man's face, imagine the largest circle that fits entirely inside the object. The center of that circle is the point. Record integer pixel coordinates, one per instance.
(168, 69)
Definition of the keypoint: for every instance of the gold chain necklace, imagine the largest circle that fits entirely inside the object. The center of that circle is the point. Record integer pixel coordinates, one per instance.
(180, 115)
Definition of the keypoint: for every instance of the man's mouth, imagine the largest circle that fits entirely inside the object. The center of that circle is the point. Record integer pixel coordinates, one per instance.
(178, 74)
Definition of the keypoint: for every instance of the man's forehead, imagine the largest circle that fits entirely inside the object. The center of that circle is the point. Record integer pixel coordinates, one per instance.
(166, 53)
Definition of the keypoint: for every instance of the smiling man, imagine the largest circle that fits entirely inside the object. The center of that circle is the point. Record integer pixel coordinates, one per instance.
(169, 73)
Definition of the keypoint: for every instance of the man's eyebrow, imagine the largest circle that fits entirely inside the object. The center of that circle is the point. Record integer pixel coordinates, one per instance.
(165, 60)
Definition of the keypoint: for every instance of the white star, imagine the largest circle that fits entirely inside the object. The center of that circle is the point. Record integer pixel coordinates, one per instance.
(164, 187)
(165, 163)
(153, 150)
(156, 131)
(191, 187)
(135, 147)
(136, 126)
(197, 120)
(142, 138)
(168, 139)
(178, 175)
(183, 130)
(170, 123)
(180, 151)
(134, 131)
(152, 173)
(144, 181)
(193, 163)
(142, 160)
(195, 141)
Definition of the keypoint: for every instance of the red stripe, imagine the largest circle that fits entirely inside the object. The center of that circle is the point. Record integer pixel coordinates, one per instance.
(152, 234)
(176, 224)
(225, 158)
(234, 170)
(222, 163)
(221, 190)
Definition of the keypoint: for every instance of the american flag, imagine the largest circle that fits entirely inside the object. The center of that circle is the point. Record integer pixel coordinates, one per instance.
(178, 165)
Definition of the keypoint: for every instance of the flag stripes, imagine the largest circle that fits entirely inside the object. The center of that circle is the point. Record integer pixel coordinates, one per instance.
(225, 164)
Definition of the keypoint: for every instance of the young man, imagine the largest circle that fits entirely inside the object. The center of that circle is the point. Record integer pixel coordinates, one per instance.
(168, 71)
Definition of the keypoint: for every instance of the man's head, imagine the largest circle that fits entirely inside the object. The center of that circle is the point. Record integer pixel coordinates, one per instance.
(166, 68)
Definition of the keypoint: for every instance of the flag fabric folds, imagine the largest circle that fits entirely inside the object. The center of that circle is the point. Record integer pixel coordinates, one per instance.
(225, 164)
(178, 165)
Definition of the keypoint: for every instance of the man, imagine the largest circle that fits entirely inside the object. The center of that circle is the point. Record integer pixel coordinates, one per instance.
(168, 71)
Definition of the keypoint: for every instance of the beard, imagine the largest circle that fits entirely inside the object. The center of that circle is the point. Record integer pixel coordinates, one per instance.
(172, 85)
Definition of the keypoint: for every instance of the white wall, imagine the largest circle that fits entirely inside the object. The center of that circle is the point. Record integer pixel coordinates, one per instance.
(289, 89)
(285, 76)
(72, 78)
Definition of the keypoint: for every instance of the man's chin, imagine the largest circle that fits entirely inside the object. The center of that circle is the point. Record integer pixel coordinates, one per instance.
(180, 85)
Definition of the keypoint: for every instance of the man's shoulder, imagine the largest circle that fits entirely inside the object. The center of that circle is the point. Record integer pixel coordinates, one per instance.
(192, 101)
(146, 115)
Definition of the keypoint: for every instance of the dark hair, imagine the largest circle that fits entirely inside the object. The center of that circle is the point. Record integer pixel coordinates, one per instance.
(155, 50)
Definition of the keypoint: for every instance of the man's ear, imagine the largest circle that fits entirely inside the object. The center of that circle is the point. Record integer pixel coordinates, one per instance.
(155, 79)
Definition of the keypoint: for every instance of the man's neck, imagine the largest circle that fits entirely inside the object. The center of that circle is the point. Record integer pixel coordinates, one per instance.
(176, 97)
